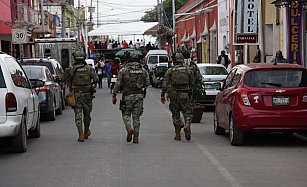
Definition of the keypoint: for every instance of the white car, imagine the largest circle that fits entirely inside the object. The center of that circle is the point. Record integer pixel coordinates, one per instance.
(19, 105)
(90, 62)
(212, 75)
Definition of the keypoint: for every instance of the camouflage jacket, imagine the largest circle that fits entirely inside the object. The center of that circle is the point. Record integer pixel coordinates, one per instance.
(132, 77)
(69, 75)
(167, 85)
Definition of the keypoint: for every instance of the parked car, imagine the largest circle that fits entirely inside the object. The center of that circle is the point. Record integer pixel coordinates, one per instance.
(264, 97)
(212, 76)
(19, 105)
(48, 91)
(55, 69)
(90, 62)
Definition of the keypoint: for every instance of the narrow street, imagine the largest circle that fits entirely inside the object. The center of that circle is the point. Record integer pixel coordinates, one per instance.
(105, 159)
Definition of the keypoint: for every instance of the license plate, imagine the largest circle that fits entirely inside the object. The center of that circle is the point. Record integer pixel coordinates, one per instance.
(113, 79)
(280, 101)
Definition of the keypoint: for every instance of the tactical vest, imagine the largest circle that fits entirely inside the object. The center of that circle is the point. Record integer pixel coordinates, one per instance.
(82, 76)
(133, 78)
(180, 76)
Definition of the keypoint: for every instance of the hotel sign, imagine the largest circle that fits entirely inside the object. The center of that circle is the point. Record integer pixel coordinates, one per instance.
(294, 13)
(246, 21)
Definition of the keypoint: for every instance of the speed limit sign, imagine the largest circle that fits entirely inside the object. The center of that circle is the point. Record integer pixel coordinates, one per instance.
(19, 36)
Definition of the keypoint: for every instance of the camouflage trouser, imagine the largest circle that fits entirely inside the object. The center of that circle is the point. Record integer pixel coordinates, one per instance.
(183, 105)
(84, 106)
(134, 106)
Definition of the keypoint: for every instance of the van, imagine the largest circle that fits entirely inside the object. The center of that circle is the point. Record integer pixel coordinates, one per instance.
(155, 57)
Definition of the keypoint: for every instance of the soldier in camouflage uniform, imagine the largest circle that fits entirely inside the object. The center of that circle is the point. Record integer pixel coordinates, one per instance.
(178, 85)
(132, 80)
(81, 79)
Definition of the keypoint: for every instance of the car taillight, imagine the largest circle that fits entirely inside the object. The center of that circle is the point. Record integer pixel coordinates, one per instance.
(10, 102)
(45, 88)
(243, 97)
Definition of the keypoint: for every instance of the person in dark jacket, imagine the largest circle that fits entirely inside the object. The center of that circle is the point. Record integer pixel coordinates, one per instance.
(223, 59)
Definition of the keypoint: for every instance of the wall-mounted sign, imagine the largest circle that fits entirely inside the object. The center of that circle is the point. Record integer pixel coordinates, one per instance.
(295, 49)
(246, 21)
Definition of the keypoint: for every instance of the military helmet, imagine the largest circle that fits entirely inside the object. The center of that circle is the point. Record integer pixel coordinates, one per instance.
(179, 57)
(79, 56)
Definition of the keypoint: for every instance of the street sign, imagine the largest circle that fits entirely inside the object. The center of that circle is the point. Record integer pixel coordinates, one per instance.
(19, 36)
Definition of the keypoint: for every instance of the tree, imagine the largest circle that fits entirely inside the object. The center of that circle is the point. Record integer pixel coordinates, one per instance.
(151, 15)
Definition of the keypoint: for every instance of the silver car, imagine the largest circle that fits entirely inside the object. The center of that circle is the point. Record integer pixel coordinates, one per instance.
(212, 75)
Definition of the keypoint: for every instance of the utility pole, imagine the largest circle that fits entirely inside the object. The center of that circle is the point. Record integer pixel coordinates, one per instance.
(158, 11)
(63, 21)
(174, 25)
(79, 24)
(97, 13)
(43, 18)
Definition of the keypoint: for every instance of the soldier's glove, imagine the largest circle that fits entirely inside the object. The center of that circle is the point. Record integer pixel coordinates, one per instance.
(114, 100)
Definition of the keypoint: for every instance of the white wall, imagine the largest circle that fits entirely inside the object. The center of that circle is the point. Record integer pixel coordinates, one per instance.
(223, 25)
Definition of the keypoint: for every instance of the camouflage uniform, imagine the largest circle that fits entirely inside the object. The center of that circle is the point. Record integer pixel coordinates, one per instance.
(131, 80)
(80, 79)
(179, 81)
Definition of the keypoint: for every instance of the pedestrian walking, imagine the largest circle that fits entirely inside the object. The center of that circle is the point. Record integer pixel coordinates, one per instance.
(99, 70)
(178, 85)
(279, 58)
(81, 79)
(133, 80)
(223, 59)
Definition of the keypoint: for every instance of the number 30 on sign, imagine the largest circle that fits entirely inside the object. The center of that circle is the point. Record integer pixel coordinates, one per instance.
(19, 36)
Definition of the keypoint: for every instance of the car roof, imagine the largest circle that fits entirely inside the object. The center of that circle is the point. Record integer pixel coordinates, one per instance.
(253, 66)
(157, 52)
(212, 65)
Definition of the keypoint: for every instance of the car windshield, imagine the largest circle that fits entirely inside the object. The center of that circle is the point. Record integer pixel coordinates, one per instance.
(212, 70)
(163, 59)
(34, 72)
(39, 63)
(276, 78)
(153, 60)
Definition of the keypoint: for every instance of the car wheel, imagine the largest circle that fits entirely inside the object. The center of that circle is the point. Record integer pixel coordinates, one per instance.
(236, 136)
(36, 132)
(19, 142)
(51, 115)
(217, 129)
(197, 115)
(59, 110)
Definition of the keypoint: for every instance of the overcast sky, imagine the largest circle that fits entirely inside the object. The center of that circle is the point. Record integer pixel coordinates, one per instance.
(110, 11)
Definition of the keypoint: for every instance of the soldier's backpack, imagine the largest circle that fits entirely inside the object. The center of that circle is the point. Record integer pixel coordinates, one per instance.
(180, 76)
(82, 76)
(134, 77)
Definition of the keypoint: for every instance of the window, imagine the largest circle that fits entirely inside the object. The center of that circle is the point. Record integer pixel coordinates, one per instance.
(18, 76)
(48, 75)
(34, 73)
(2, 82)
(210, 70)
(47, 53)
(163, 59)
(153, 60)
(236, 77)
(229, 79)
(276, 78)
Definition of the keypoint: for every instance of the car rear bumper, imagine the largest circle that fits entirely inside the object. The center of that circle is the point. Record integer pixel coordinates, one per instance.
(45, 108)
(249, 120)
(10, 127)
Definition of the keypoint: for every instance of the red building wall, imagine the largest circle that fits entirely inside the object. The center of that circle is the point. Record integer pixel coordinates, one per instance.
(5, 17)
(186, 23)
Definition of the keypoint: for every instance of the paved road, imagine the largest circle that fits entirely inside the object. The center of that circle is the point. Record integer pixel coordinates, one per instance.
(57, 159)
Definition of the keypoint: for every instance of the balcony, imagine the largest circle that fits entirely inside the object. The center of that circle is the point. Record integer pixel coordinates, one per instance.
(25, 15)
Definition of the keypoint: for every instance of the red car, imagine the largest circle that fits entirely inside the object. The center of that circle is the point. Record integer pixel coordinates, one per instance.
(257, 97)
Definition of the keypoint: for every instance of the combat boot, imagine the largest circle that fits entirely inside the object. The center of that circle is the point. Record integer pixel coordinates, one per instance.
(81, 136)
(178, 136)
(136, 138)
(187, 131)
(130, 132)
(87, 133)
